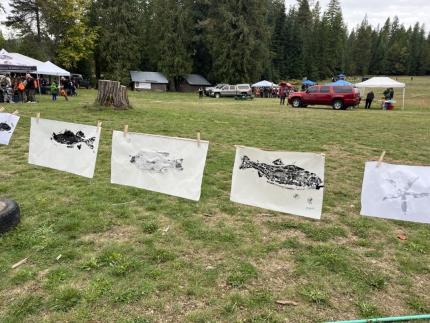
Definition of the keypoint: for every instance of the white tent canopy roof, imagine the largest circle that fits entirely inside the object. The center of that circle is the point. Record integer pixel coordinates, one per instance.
(380, 82)
(43, 68)
(49, 68)
(263, 84)
(16, 63)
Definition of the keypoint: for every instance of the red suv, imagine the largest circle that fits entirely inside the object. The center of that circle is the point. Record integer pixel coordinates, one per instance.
(339, 97)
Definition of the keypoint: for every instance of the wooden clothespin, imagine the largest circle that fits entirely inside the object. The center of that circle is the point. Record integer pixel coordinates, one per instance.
(380, 159)
(125, 130)
(2, 109)
(198, 138)
(37, 117)
(99, 125)
(15, 112)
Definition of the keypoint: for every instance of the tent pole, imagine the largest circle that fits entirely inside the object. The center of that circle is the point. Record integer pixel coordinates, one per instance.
(38, 83)
(403, 106)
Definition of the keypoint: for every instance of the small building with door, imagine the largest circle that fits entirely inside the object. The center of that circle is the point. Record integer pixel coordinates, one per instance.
(148, 81)
(192, 83)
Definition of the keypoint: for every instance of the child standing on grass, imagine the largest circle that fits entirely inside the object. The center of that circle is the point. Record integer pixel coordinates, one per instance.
(54, 91)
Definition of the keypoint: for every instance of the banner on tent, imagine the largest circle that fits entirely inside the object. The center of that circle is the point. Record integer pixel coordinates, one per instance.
(167, 165)
(396, 192)
(8, 124)
(64, 146)
(287, 182)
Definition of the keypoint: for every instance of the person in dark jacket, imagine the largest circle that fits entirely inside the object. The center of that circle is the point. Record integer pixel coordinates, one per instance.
(369, 99)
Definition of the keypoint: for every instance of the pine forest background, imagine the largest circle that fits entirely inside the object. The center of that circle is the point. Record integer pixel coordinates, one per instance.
(225, 40)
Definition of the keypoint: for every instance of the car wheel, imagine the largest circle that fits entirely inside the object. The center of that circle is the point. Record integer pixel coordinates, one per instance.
(338, 105)
(296, 103)
(9, 215)
(217, 95)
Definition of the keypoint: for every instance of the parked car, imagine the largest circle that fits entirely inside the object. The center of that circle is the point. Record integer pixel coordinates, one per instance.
(232, 90)
(208, 90)
(77, 78)
(339, 97)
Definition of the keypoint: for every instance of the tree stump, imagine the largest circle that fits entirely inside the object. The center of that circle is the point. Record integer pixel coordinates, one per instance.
(112, 94)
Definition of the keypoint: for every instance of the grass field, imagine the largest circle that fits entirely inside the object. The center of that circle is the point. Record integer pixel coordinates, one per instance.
(131, 255)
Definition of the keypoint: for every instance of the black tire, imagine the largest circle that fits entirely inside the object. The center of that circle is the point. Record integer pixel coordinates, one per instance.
(9, 215)
(296, 103)
(337, 104)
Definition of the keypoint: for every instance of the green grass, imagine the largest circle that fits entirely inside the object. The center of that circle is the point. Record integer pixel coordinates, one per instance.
(130, 255)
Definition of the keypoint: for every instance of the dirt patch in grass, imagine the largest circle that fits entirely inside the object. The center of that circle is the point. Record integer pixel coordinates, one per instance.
(121, 234)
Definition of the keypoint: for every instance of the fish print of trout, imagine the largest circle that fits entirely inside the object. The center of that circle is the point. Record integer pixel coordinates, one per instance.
(286, 175)
(157, 162)
(71, 139)
(5, 127)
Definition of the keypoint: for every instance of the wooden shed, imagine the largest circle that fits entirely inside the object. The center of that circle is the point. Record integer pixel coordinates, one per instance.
(192, 83)
(148, 81)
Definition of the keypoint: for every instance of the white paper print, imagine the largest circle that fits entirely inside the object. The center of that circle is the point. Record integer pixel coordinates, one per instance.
(167, 165)
(8, 124)
(287, 182)
(64, 146)
(396, 192)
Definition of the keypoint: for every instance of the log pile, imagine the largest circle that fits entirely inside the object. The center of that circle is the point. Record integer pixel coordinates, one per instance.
(112, 94)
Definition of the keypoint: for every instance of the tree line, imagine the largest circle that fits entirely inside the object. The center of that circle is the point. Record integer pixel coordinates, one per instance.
(224, 40)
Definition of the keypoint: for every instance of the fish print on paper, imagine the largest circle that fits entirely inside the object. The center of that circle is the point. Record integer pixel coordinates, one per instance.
(5, 127)
(71, 139)
(403, 194)
(156, 162)
(287, 176)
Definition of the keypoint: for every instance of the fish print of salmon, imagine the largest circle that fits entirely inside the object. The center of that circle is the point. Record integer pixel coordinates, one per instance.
(71, 139)
(5, 127)
(156, 162)
(284, 175)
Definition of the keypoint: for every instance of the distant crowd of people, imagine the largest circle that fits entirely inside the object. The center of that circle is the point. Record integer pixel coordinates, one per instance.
(23, 88)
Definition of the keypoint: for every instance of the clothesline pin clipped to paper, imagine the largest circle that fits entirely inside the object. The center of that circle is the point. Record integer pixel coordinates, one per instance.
(37, 117)
(15, 112)
(125, 130)
(380, 159)
(198, 138)
(99, 125)
(1, 109)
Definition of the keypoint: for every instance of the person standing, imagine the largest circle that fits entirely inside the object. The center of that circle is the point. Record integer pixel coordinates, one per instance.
(369, 99)
(282, 94)
(200, 92)
(54, 91)
(30, 88)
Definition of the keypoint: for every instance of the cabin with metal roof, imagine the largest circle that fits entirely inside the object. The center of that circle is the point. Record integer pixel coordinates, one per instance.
(192, 83)
(148, 81)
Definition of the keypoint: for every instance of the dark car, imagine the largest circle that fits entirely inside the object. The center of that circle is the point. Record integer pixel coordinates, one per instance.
(80, 81)
(339, 97)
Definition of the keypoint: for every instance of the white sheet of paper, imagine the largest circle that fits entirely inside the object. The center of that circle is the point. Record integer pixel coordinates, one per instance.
(289, 182)
(396, 192)
(167, 165)
(8, 124)
(74, 151)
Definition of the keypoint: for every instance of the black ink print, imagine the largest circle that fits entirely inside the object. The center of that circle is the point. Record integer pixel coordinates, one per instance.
(71, 140)
(157, 162)
(296, 196)
(5, 127)
(310, 200)
(403, 194)
(285, 175)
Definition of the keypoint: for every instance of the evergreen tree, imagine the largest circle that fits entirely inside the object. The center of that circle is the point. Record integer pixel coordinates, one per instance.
(26, 17)
(117, 45)
(171, 29)
(238, 39)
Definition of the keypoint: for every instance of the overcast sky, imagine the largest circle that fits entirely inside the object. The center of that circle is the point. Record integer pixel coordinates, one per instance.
(408, 11)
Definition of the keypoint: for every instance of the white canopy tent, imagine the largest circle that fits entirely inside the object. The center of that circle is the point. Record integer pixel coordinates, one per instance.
(263, 84)
(10, 63)
(382, 82)
(49, 68)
